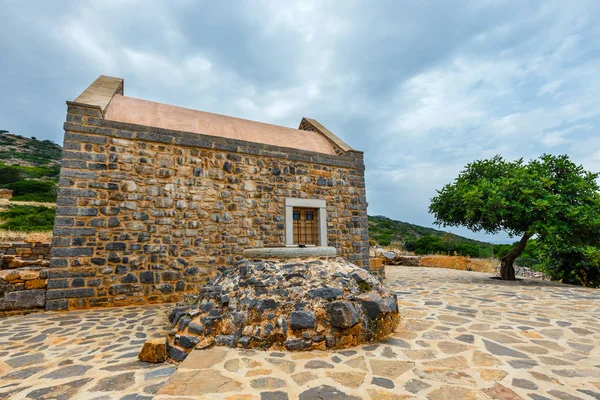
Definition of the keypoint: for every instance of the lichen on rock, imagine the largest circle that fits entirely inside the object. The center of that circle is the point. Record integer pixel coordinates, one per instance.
(298, 304)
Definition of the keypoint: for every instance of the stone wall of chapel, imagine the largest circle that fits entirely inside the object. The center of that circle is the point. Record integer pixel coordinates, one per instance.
(145, 215)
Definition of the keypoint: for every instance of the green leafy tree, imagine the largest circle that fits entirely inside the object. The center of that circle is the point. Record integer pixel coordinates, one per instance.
(550, 198)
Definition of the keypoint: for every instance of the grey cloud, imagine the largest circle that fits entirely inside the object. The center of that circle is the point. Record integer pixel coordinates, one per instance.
(421, 87)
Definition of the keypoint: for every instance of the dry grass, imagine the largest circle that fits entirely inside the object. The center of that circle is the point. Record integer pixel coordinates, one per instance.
(460, 263)
(5, 203)
(7, 236)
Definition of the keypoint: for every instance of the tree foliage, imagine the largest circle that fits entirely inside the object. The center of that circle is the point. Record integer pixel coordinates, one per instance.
(550, 198)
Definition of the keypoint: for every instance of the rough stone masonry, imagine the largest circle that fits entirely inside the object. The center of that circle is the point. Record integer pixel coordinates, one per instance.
(145, 213)
(296, 304)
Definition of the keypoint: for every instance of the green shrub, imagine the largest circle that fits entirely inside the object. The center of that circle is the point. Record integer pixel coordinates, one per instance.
(10, 174)
(16, 173)
(27, 218)
(42, 191)
(410, 244)
(576, 265)
(430, 245)
(467, 250)
(383, 239)
(485, 252)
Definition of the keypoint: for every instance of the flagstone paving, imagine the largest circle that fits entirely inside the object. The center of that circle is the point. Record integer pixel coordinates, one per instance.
(463, 336)
(88, 354)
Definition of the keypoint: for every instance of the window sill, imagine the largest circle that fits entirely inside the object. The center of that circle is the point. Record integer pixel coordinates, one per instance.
(290, 252)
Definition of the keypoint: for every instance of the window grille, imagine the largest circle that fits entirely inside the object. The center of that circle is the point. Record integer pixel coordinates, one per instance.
(306, 226)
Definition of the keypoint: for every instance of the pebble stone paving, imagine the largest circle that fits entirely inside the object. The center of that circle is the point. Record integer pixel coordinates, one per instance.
(463, 336)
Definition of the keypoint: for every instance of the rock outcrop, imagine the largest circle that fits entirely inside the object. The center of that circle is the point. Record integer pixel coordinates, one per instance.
(299, 304)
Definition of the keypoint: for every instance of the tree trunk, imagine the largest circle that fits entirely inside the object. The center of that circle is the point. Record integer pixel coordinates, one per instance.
(507, 270)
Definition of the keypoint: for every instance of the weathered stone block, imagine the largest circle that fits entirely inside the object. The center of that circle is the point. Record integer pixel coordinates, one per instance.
(72, 252)
(35, 284)
(227, 340)
(147, 277)
(56, 305)
(188, 342)
(116, 246)
(124, 288)
(302, 320)
(374, 305)
(58, 284)
(325, 293)
(342, 314)
(70, 293)
(23, 300)
(89, 212)
(154, 351)
(297, 344)
(195, 328)
(176, 353)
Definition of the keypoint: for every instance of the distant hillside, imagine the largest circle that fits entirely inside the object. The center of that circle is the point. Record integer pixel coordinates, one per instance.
(29, 167)
(384, 231)
(22, 151)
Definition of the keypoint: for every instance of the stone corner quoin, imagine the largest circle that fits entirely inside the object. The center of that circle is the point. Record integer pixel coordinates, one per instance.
(147, 214)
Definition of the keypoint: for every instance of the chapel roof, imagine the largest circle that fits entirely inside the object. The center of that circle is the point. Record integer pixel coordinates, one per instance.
(106, 93)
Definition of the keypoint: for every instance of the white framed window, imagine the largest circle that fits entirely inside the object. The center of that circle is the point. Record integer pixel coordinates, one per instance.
(305, 222)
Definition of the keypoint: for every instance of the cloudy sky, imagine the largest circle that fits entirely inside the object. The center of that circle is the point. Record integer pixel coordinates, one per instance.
(422, 87)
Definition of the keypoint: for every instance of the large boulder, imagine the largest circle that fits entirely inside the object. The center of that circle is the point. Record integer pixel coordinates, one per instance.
(298, 304)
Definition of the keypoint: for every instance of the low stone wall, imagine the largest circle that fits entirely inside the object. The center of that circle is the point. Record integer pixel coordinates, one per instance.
(393, 257)
(23, 276)
(408, 261)
(18, 255)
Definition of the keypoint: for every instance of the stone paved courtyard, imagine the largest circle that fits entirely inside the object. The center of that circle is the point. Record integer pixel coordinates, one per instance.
(463, 336)
(81, 354)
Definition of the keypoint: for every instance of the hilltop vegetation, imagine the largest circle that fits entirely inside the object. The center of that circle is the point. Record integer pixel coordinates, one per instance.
(30, 168)
(384, 231)
(19, 150)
